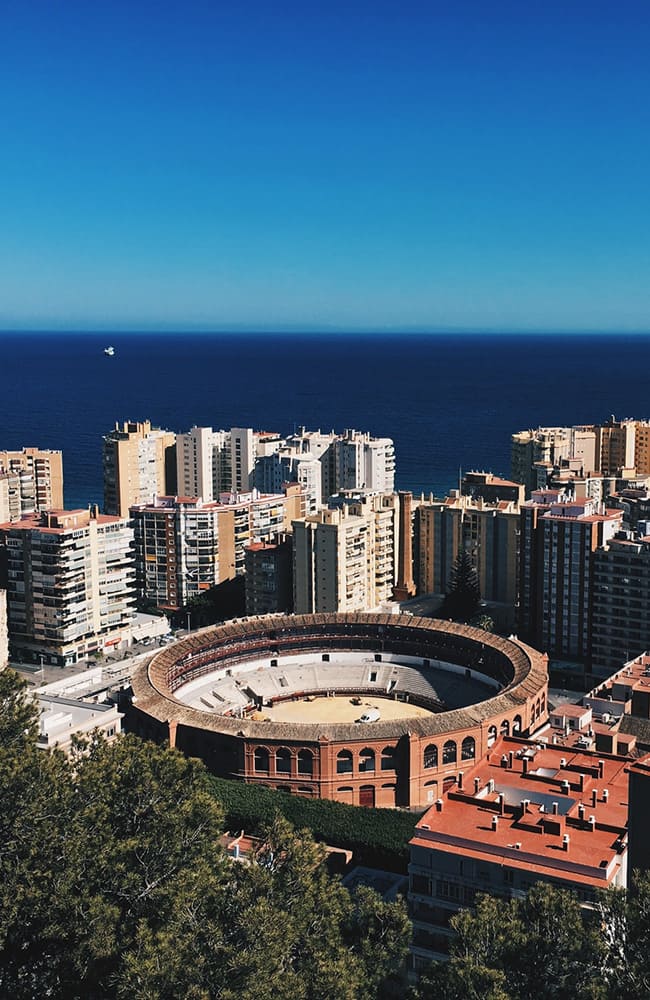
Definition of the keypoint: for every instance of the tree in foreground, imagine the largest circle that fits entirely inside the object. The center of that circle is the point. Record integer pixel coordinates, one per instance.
(113, 884)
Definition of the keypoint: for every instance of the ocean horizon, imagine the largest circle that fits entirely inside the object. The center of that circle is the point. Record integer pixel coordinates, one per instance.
(450, 401)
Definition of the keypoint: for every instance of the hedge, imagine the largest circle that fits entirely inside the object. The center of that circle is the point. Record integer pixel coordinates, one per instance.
(378, 837)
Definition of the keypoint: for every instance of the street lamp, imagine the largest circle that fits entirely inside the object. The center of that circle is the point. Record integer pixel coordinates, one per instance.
(42, 668)
(189, 615)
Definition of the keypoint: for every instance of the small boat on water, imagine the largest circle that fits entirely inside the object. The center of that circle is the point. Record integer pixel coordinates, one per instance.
(109, 351)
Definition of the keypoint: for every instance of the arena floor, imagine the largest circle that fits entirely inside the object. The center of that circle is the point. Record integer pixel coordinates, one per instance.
(339, 708)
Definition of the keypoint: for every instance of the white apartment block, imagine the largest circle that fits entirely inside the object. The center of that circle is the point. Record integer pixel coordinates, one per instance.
(185, 546)
(345, 559)
(70, 584)
(203, 463)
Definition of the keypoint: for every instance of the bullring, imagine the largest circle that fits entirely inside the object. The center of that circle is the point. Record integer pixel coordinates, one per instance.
(452, 689)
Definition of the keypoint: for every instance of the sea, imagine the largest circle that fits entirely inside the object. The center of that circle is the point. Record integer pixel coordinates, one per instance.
(450, 402)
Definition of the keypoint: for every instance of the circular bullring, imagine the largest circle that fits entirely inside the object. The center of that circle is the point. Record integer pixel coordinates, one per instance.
(450, 691)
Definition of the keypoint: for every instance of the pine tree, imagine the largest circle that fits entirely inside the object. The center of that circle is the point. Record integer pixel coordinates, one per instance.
(463, 596)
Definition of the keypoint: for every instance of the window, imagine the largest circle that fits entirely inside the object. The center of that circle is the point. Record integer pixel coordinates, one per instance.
(449, 752)
(344, 762)
(283, 761)
(305, 762)
(367, 760)
(261, 759)
(431, 755)
(388, 759)
(468, 748)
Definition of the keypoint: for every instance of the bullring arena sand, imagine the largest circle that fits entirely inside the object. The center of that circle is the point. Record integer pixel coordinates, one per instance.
(339, 708)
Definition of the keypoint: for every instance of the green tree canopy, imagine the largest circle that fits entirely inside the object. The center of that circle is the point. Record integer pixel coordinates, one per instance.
(113, 884)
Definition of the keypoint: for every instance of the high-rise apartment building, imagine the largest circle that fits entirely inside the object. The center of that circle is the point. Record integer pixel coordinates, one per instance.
(4, 633)
(558, 540)
(345, 558)
(139, 463)
(203, 463)
(620, 626)
(70, 578)
(242, 458)
(615, 448)
(185, 545)
(269, 576)
(489, 532)
(30, 480)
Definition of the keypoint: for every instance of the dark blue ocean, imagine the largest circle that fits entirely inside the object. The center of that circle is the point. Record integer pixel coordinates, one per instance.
(448, 401)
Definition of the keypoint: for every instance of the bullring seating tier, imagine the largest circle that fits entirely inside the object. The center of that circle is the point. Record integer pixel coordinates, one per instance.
(506, 674)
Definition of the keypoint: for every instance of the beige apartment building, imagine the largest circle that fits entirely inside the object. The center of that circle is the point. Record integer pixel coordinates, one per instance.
(30, 480)
(185, 546)
(139, 463)
(489, 531)
(70, 578)
(345, 558)
(615, 448)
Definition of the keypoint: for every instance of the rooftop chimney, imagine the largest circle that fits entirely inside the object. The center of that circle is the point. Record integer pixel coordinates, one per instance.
(502, 803)
(594, 796)
(439, 805)
(495, 822)
(524, 765)
(555, 808)
(601, 768)
(565, 842)
(592, 823)
(511, 757)
(460, 781)
(581, 813)
(477, 785)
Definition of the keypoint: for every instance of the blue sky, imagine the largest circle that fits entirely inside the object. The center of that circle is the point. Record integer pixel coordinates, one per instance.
(350, 165)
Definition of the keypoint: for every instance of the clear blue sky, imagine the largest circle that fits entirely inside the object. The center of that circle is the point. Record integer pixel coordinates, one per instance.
(325, 164)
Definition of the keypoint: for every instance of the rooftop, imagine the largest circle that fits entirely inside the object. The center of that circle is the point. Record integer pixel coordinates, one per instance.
(550, 810)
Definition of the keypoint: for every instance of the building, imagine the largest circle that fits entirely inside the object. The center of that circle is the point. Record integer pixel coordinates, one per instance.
(345, 557)
(615, 448)
(185, 546)
(269, 576)
(203, 463)
(488, 531)
(139, 463)
(62, 720)
(491, 488)
(4, 634)
(277, 701)
(30, 480)
(242, 458)
(70, 578)
(525, 813)
(558, 540)
(404, 588)
(287, 465)
(620, 622)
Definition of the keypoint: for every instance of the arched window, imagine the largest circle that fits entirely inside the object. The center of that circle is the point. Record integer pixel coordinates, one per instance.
(283, 761)
(492, 735)
(367, 760)
(449, 752)
(261, 759)
(388, 759)
(305, 762)
(505, 728)
(543, 702)
(431, 755)
(305, 790)
(468, 748)
(516, 724)
(344, 762)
